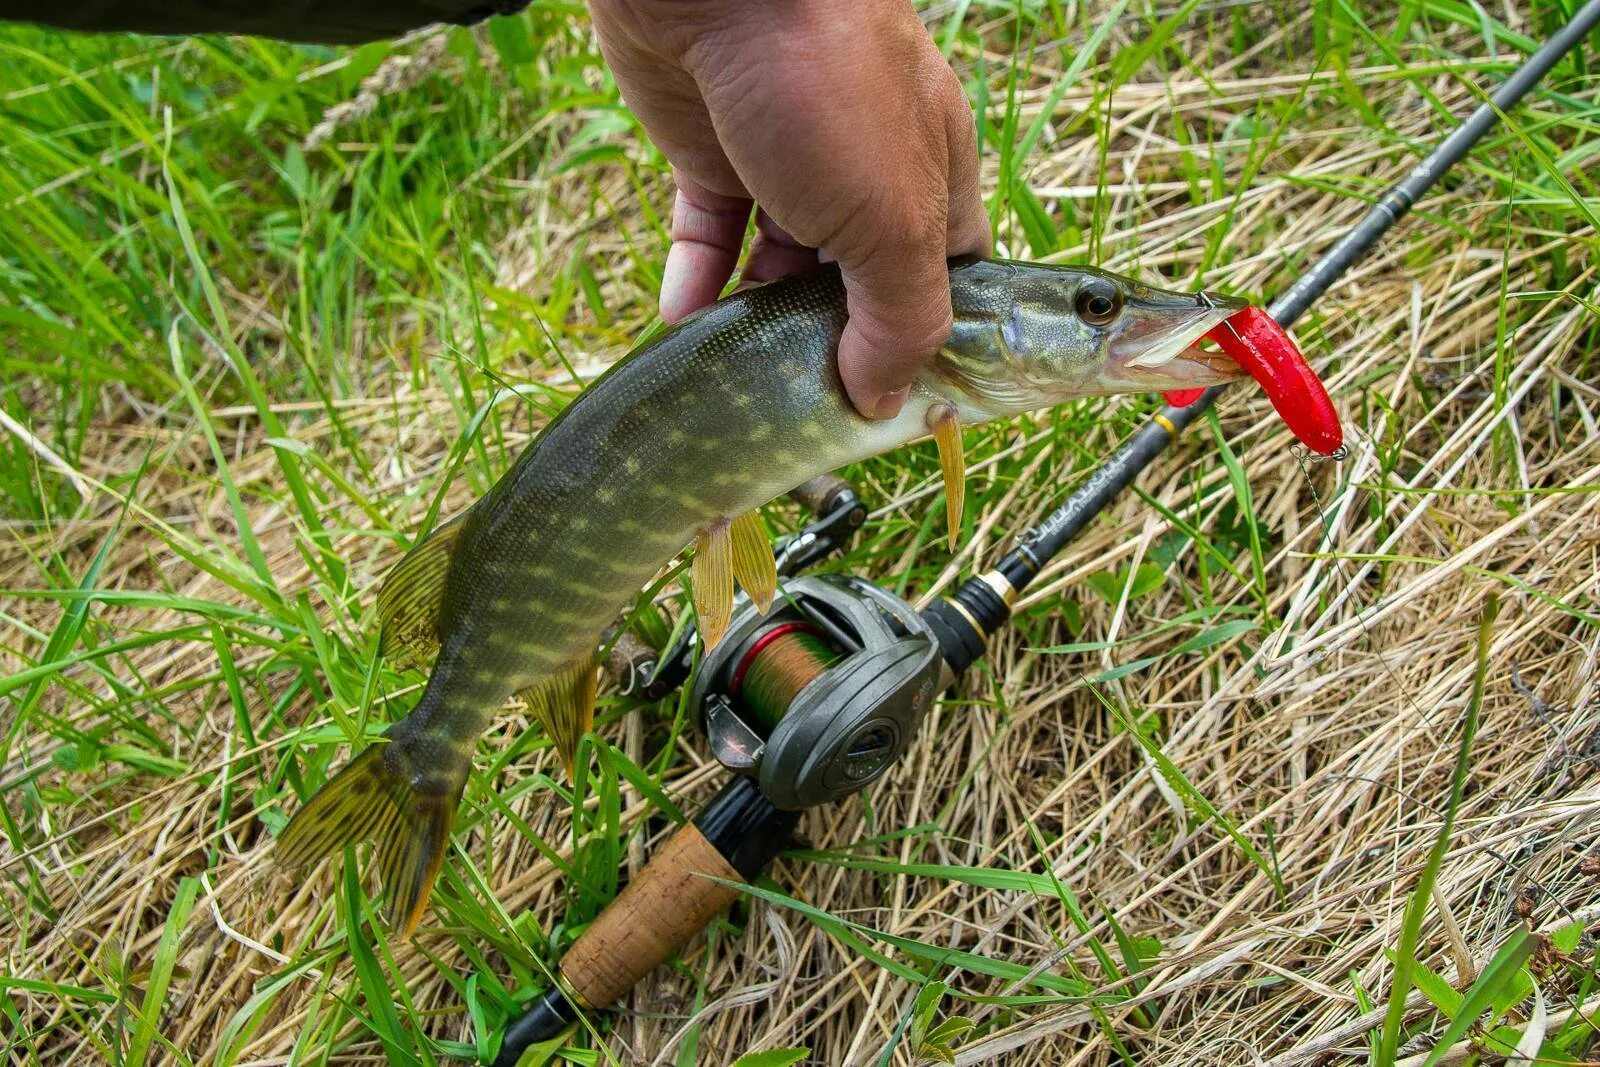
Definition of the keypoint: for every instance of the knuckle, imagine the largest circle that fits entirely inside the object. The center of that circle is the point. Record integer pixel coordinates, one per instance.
(914, 322)
(713, 221)
(892, 230)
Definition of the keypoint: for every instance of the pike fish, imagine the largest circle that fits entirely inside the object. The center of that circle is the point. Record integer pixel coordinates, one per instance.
(679, 443)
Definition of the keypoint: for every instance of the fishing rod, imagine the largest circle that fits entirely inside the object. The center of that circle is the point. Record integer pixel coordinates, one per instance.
(818, 698)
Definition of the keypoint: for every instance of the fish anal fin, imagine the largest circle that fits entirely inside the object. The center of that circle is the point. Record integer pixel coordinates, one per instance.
(408, 603)
(564, 705)
(377, 798)
(753, 564)
(946, 429)
(712, 575)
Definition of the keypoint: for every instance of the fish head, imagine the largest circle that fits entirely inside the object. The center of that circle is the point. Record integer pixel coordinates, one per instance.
(1028, 335)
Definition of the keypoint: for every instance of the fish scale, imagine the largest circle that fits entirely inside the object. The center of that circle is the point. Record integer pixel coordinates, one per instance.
(679, 442)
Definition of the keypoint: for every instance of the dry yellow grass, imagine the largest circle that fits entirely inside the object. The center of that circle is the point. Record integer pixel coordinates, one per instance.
(1328, 742)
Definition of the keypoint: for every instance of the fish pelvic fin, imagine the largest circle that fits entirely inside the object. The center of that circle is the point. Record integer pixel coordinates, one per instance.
(376, 797)
(408, 603)
(564, 705)
(723, 551)
(946, 429)
(753, 564)
(711, 573)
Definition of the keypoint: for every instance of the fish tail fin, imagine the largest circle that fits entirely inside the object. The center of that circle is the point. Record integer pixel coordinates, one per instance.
(378, 798)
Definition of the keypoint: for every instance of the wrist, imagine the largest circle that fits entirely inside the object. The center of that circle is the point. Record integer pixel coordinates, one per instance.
(680, 28)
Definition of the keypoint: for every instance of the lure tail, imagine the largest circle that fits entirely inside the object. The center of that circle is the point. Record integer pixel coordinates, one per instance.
(379, 797)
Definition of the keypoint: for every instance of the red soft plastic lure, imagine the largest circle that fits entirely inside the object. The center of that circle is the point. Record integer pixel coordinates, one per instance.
(1255, 341)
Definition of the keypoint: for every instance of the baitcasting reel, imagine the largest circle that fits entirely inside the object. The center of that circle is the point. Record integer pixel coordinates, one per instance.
(819, 697)
(807, 704)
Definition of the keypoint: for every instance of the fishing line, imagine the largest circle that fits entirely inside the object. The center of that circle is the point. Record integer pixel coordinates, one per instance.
(779, 664)
(1337, 564)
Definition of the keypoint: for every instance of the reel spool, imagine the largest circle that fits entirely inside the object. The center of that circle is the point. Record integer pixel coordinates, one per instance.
(817, 699)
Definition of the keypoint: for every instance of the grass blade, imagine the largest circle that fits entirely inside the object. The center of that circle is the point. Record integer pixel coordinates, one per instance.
(155, 996)
(1417, 907)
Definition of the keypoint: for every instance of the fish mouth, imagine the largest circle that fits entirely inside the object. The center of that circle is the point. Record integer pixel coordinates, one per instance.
(1157, 347)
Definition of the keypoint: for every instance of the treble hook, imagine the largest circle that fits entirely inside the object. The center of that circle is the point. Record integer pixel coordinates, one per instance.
(1301, 452)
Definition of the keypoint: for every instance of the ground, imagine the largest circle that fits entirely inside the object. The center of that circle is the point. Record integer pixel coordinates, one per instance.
(1228, 788)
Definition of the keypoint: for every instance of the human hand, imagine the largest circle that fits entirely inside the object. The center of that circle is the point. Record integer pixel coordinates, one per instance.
(841, 122)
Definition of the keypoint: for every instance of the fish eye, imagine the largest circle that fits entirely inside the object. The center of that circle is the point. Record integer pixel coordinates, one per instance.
(1099, 302)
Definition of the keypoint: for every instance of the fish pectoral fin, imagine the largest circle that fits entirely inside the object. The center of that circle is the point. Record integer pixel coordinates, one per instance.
(946, 429)
(711, 573)
(564, 705)
(753, 564)
(377, 798)
(408, 603)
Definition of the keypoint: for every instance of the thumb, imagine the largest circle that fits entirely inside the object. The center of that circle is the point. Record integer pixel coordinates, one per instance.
(899, 316)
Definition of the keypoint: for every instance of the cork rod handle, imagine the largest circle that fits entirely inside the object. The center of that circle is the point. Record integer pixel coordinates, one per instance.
(666, 904)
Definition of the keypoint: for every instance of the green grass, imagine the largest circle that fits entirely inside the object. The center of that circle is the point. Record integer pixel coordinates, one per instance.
(1417, 907)
(272, 366)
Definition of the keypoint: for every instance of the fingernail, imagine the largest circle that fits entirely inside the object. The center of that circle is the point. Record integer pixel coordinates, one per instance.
(889, 404)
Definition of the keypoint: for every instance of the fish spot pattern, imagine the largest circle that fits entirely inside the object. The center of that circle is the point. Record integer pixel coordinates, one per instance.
(709, 419)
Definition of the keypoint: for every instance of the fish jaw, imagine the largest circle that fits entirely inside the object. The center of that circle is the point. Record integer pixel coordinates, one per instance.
(1158, 351)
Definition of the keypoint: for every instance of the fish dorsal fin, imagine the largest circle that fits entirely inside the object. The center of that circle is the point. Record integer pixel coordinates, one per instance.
(408, 603)
(753, 564)
(946, 429)
(564, 705)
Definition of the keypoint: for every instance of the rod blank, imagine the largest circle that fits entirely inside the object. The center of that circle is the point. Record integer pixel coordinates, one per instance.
(1041, 543)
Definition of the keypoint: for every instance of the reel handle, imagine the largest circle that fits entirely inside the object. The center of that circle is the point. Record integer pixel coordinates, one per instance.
(821, 494)
(665, 905)
(633, 664)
